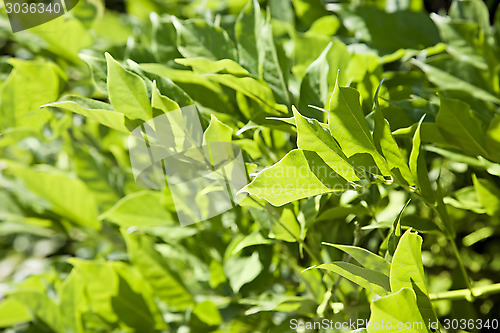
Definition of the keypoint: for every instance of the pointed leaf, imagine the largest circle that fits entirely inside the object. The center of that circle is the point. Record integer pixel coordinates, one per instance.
(312, 136)
(161, 102)
(407, 271)
(492, 142)
(348, 126)
(488, 194)
(407, 263)
(369, 279)
(387, 146)
(447, 81)
(314, 87)
(418, 166)
(257, 50)
(366, 258)
(217, 131)
(300, 174)
(198, 38)
(394, 311)
(97, 70)
(29, 85)
(98, 111)
(127, 92)
(242, 270)
(143, 208)
(156, 271)
(460, 126)
(67, 196)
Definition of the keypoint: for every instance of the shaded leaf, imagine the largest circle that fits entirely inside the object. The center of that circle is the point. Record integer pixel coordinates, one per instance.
(198, 38)
(369, 279)
(366, 258)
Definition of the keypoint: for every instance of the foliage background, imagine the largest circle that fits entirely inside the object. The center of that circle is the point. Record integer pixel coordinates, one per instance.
(84, 249)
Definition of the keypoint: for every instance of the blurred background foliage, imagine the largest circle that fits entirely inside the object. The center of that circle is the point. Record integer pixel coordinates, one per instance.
(84, 249)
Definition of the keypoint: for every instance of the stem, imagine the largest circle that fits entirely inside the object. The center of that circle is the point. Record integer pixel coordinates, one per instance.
(466, 293)
(462, 267)
(454, 247)
(300, 241)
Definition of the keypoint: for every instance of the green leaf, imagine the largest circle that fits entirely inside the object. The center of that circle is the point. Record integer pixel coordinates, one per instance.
(488, 194)
(407, 263)
(65, 36)
(242, 270)
(282, 10)
(492, 142)
(312, 136)
(131, 308)
(387, 146)
(369, 279)
(248, 86)
(205, 66)
(161, 102)
(42, 308)
(407, 271)
(396, 309)
(68, 197)
(284, 227)
(217, 131)
(98, 70)
(366, 258)
(13, 312)
(348, 126)
(116, 293)
(255, 238)
(326, 25)
(395, 233)
(32, 292)
(208, 313)
(135, 302)
(314, 87)
(163, 39)
(472, 11)
(460, 126)
(257, 50)
(241, 81)
(198, 38)
(98, 111)
(447, 81)
(300, 174)
(73, 302)
(29, 85)
(153, 267)
(418, 166)
(389, 32)
(188, 87)
(143, 208)
(127, 92)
